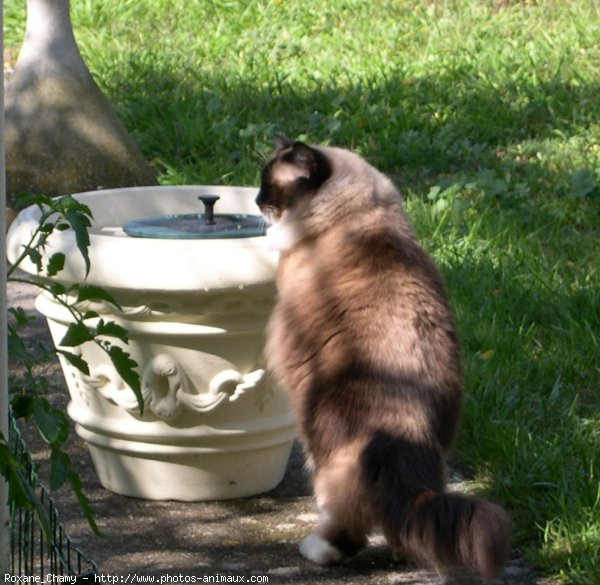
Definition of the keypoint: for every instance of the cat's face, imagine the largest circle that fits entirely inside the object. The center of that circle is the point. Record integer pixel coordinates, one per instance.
(291, 178)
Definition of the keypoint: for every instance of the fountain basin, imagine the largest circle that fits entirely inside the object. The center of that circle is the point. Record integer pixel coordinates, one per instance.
(214, 426)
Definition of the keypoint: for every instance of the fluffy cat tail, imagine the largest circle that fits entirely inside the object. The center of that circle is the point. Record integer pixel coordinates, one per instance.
(452, 530)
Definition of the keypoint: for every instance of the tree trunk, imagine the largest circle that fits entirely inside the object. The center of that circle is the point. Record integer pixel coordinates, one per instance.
(62, 134)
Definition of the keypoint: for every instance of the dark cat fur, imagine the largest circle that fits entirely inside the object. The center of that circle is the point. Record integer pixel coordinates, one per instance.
(363, 340)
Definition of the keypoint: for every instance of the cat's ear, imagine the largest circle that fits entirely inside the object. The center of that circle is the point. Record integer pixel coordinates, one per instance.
(300, 161)
(303, 158)
(282, 142)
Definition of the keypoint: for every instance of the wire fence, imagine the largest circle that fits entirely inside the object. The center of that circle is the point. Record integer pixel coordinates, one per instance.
(33, 551)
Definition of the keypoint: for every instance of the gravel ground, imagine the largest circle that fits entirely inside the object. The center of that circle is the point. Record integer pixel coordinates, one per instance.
(253, 538)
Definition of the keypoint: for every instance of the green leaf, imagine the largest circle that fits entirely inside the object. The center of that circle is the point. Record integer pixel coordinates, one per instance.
(21, 492)
(22, 405)
(51, 422)
(434, 192)
(55, 264)
(441, 205)
(7, 459)
(83, 500)
(90, 292)
(77, 215)
(17, 350)
(80, 223)
(89, 315)
(77, 333)
(112, 329)
(60, 466)
(27, 199)
(125, 366)
(36, 258)
(47, 228)
(57, 289)
(68, 203)
(75, 360)
(20, 316)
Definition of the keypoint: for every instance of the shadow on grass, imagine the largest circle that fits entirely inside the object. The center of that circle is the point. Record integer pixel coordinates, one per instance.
(417, 129)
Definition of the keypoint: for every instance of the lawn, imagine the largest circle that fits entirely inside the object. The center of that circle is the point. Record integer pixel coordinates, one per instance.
(487, 115)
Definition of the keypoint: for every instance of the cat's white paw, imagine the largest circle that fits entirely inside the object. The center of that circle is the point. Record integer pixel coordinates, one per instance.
(318, 550)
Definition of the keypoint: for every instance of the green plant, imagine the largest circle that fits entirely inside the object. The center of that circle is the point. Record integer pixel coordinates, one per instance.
(28, 399)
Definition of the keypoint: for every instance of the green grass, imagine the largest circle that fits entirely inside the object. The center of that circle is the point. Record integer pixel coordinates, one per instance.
(489, 121)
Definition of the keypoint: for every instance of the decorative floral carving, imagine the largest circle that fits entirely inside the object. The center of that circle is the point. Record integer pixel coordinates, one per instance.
(226, 385)
(106, 381)
(167, 389)
(163, 379)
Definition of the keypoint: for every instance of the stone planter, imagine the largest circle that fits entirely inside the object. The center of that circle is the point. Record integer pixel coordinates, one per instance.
(214, 426)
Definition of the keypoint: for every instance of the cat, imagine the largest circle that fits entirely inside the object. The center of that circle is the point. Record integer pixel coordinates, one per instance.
(364, 342)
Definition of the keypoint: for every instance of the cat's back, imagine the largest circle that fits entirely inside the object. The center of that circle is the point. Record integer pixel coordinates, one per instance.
(365, 290)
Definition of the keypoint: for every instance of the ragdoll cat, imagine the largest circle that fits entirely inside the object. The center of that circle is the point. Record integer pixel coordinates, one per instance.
(364, 342)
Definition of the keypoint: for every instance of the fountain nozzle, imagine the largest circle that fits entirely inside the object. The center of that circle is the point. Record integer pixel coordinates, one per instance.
(209, 208)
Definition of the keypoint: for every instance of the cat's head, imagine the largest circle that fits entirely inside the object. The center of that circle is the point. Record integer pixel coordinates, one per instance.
(291, 178)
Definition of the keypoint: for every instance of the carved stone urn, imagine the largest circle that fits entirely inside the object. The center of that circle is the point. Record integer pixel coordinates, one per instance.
(213, 426)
